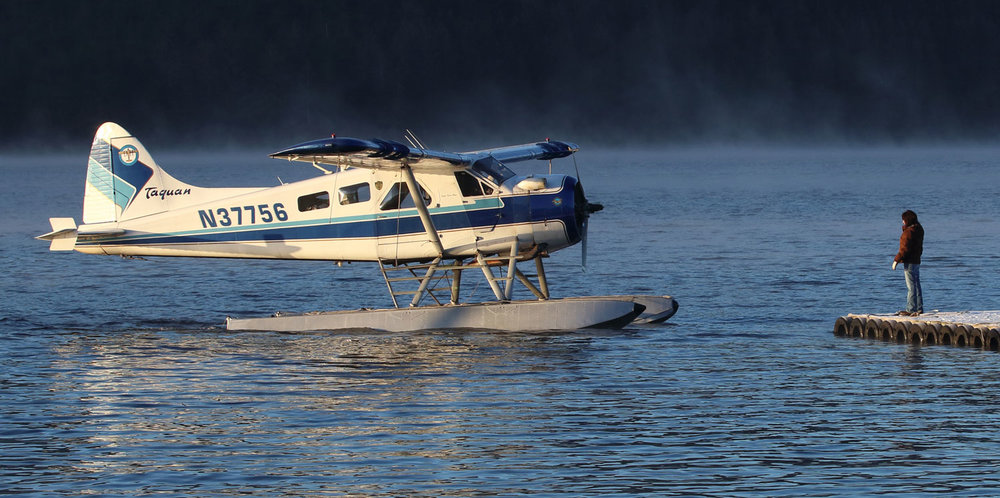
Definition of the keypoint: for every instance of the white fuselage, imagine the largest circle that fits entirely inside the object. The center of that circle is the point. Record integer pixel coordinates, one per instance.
(351, 215)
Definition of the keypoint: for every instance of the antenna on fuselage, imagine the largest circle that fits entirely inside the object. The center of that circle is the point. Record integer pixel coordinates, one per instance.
(414, 141)
(550, 161)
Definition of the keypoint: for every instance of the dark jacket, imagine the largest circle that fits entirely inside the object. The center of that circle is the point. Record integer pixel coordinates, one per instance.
(911, 244)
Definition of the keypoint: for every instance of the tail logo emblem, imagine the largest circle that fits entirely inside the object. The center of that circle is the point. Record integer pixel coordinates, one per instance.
(128, 154)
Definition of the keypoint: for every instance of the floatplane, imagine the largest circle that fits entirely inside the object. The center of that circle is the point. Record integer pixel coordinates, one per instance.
(423, 216)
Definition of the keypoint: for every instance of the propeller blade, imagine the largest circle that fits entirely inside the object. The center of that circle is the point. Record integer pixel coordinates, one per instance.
(584, 209)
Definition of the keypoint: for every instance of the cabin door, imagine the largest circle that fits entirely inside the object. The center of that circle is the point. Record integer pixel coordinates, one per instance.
(399, 232)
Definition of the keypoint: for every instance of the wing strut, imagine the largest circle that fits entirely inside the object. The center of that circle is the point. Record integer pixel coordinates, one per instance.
(425, 216)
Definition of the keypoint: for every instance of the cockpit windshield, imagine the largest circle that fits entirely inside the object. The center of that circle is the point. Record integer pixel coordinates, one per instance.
(492, 169)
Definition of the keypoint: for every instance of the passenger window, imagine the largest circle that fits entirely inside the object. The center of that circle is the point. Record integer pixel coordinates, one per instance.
(355, 193)
(319, 200)
(399, 198)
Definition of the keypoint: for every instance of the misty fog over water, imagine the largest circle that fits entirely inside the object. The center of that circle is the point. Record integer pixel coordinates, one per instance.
(474, 73)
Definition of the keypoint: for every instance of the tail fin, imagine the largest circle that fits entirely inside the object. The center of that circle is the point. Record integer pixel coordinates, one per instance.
(119, 170)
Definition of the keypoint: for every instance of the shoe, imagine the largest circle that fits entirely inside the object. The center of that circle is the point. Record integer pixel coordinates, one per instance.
(917, 313)
(903, 313)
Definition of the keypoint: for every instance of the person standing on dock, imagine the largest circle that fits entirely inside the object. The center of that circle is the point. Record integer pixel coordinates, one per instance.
(911, 245)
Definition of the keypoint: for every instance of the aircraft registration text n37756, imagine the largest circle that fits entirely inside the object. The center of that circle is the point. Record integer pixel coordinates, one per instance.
(235, 215)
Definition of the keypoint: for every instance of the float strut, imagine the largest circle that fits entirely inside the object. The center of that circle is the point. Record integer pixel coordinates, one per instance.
(511, 269)
(489, 277)
(456, 283)
(425, 281)
(527, 283)
(542, 282)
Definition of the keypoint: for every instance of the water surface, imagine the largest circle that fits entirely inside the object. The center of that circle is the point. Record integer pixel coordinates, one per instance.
(119, 377)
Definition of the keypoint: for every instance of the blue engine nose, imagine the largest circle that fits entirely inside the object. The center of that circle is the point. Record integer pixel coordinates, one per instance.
(569, 205)
(576, 210)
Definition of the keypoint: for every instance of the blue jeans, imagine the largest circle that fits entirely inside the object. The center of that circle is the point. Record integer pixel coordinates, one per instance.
(914, 296)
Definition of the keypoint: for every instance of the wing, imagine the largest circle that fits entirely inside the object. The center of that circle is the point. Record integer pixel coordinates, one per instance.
(374, 154)
(387, 154)
(549, 149)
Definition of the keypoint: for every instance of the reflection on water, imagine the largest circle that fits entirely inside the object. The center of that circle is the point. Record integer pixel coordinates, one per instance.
(125, 402)
(451, 413)
(119, 379)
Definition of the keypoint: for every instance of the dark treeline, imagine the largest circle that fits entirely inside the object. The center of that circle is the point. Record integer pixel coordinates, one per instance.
(209, 72)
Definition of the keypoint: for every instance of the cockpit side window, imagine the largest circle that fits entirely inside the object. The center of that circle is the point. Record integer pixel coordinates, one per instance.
(472, 186)
(354, 193)
(468, 184)
(399, 198)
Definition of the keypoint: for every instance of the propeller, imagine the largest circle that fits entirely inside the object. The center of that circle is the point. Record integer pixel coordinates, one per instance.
(584, 209)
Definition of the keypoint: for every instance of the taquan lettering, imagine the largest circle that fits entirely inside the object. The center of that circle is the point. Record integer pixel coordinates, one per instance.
(152, 192)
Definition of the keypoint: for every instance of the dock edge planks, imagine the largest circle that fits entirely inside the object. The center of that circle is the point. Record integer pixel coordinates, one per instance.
(975, 329)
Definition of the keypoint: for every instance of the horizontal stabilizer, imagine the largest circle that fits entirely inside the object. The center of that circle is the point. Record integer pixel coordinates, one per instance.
(65, 233)
(62, 236)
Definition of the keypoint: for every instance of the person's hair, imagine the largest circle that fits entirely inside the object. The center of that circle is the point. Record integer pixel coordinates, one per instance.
(909, 217)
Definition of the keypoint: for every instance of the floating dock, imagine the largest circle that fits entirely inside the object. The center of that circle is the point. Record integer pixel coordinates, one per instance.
(976, 329)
